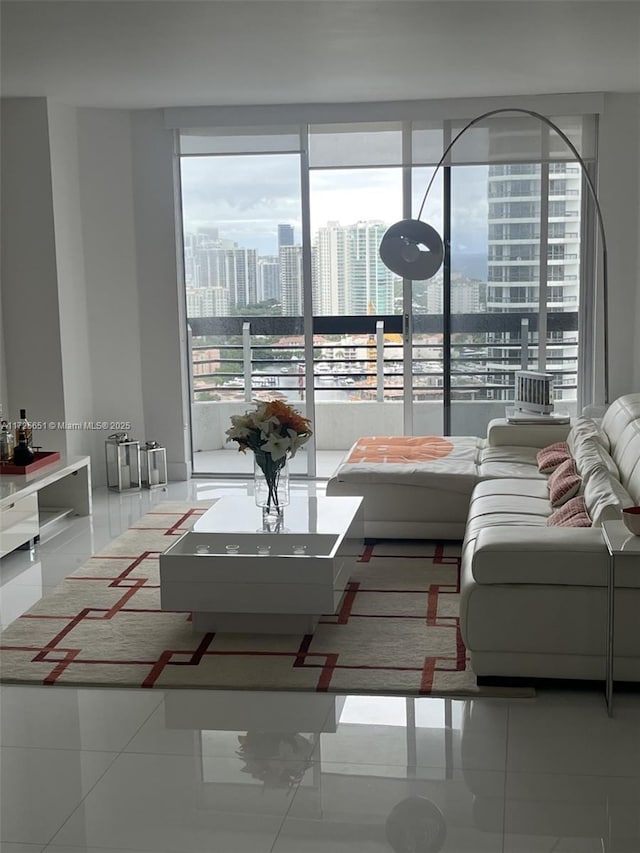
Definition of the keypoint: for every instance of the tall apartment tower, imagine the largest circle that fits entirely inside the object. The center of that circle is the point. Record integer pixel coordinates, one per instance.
(268, 278)
(351, 278)
(207, 301)
(333, 279)
(234, 270)
(371, 281)
(291, 280)
(285, 236)
(241, 272)
(514, 252)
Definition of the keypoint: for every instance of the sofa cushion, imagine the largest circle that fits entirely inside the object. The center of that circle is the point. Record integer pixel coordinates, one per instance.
(605, 497)
(513, 486)
(571, 514)
(583, 428)
(503, 503)
(550, 457)
(627, 457)
(502, 521)
(539, 555)
(588, 454)
(509, 461)
(564, 483)
(619, 415)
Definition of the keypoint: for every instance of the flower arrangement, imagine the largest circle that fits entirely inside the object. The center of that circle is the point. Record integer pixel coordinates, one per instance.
(278, 760)
(274, 431)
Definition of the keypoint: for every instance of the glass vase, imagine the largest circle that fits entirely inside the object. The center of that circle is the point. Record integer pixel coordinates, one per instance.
(271, 483)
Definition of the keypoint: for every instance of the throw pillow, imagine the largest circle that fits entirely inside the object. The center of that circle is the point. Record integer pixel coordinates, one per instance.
(580, 519)
(564, 483)
(551, 456)
(572, 514)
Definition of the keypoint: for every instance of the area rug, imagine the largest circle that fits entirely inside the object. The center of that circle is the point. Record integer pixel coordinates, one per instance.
(397, 630)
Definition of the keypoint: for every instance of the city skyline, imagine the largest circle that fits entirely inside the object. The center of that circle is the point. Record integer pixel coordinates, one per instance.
(251, 195)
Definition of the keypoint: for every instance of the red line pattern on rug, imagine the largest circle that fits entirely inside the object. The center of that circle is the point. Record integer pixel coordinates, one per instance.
(398, 597)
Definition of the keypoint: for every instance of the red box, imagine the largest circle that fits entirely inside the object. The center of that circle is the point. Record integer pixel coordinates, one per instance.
(41, 459)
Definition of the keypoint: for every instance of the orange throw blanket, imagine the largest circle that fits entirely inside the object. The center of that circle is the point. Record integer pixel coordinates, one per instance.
(400, 448)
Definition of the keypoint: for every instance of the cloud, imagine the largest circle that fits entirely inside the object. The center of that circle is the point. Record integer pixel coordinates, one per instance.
(247, 196)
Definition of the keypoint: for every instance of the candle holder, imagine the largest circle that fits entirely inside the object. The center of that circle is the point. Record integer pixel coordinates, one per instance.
(153, 460)
(122, 457)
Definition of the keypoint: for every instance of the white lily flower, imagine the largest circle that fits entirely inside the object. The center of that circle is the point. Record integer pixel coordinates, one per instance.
(235, 432)
(296, 441)
(277, 445)
(267, 426)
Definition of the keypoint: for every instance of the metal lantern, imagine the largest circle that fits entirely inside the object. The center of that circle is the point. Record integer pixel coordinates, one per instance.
(154, 465)
(123, 462)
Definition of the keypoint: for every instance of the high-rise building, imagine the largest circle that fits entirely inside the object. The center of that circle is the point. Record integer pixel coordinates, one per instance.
(285, 236)
(371, 280)
(351, 278)
(233, 269)
(207, 302)
(514, 247)
(333, 282)
(241, 271)
(468, 296)
(268, 278)
(210, 267)
(291, 280)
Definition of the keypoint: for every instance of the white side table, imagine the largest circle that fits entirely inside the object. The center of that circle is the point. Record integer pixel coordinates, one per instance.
(619, 542)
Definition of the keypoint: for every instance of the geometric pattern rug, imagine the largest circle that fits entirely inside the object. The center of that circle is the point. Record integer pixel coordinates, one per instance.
(396, 632)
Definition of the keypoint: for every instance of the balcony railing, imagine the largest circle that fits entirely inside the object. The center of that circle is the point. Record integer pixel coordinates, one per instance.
(360, 358)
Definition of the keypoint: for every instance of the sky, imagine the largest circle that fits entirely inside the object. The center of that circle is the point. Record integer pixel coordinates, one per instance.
(247, 196)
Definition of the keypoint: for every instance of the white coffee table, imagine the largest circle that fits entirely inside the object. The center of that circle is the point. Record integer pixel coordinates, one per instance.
(235, 577)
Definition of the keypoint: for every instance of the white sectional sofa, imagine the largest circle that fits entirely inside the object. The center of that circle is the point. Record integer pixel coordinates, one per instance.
(533, 596)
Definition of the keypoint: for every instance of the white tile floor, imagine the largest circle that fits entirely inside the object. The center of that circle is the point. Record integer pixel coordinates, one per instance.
(127, 770)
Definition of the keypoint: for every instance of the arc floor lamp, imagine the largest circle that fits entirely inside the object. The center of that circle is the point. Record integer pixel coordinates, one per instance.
(414, 250)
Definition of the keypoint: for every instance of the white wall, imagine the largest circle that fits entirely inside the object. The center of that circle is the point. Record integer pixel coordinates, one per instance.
(106, 193)
(30, 312)
(70, 269)
(162, 323)
(4, 393)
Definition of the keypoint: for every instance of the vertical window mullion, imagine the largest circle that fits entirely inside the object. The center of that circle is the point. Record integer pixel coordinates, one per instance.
(307, 294)
(446, 288)
(407, 307)
(587, 296)
(446, 302)
(544, 252)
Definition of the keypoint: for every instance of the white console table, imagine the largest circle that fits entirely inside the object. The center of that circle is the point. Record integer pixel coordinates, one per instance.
(31, 503)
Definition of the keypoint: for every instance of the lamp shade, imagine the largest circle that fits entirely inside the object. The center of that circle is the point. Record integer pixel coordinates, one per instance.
(412, 249)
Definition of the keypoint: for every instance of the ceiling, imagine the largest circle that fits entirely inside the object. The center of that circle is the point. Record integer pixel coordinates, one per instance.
(153, 53)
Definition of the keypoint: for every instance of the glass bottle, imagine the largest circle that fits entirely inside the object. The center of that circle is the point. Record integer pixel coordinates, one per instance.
(23, 454)
(23, 424)
(7, 442)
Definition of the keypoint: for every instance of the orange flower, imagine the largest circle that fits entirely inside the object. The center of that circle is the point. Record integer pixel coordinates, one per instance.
(288, 417)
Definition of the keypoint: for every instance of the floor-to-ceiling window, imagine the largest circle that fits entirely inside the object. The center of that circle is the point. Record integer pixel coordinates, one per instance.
(286, 294)
(241, 212)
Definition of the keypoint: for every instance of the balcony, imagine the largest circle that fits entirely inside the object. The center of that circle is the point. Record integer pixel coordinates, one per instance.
(359, 377)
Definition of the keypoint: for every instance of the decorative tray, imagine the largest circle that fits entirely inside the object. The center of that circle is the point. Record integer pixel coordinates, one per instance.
(41, 459)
